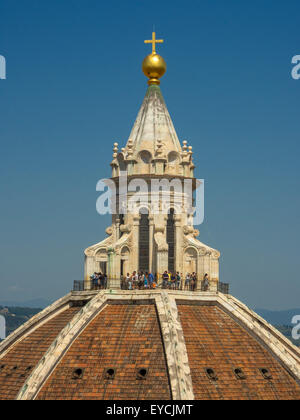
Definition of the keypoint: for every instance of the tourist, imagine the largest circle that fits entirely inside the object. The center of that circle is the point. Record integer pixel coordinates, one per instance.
(94, 280)
(187, 282)
(192, 287)
(146, 280)
(165, 280)
(136, 280)
(178, 280)
(102, 281)
(151, 280)
(193, 282)
(205, 283)
(140, 280)
(196, 281)
(169, 280)
(128, 282)
(98, 280)
(173, 281)
(155, 281)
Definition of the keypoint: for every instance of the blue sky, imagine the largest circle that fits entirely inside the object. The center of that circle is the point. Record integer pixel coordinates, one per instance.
(74, 86)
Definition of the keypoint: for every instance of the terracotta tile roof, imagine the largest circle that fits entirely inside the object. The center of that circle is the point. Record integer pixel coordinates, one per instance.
(17, 364)
(214, 340)
(172, 339)
(125, 338)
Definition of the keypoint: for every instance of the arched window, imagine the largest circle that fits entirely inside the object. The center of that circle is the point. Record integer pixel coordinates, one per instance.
(173, 158)
(191, 257)
(171, 240)
(144, 241)
(101, 257)
(146, 156)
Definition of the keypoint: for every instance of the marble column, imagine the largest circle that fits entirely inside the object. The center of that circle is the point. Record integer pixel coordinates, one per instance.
(89, 269)
(113, 278)
(178, 244)
(135, 240)
(151, 242)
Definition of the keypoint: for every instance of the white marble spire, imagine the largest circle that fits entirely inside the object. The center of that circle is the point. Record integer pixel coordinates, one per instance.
(153, 124)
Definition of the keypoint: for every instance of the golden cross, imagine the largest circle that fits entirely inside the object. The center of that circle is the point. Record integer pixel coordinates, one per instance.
(154, 41)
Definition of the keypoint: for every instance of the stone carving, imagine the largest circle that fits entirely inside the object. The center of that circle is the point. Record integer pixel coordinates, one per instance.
(160, 239)
(129, 149)
(126, 228)
(159, 229)
(109, 230)
(196, 233)
(89, 252)
(176, 353)
(188, 230)
(158, 151)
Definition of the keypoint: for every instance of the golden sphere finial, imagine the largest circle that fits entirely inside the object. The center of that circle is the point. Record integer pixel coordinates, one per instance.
(154, 66)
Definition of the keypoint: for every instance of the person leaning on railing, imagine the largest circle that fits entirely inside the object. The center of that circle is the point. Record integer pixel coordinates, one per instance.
(94, 280)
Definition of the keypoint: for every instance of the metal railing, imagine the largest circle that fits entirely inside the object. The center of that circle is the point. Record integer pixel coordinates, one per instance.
(83, 285)
(223, 288)
(87, 285)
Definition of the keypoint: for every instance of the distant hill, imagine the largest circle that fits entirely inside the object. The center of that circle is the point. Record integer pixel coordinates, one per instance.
(282, 320)
(286, 330)
(33, 303)
(278, 317)
(16, 316)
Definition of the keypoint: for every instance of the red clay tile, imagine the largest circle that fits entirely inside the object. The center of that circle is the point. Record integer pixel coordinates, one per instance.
(214, 340)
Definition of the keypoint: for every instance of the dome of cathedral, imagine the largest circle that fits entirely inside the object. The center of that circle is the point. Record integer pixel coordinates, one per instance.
(157, 343)
(148, 345)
